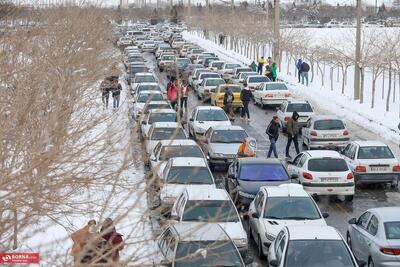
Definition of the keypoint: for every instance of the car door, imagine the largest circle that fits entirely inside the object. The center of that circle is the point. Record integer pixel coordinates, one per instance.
(258, 92)
(191, 121)
(205, 143)
(252, 209)
(367, 238)
(359, 230)
(279, 250)
(305, 131)
(292, 166)
(351, 158)
(280, 112)
(259, 229)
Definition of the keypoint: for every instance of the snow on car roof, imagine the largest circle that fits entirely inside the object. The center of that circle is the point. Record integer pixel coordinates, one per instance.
(307, 232)
(199, 231)
(285, 190)
(166, 125)
(162, 110)
(227, 127)
(369, 143)
(209, 108)
(323, 154)
(144, 74)
(326, 117)
(211, 194)
(147, 84)
(188, 162)
(387, 214)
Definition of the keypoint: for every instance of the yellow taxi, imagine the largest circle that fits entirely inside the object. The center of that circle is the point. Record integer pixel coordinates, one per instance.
(217, 95)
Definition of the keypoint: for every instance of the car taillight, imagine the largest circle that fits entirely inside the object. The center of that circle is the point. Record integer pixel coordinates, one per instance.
(206, 91)
(313, 133)
(269, 95)
(360, 169)
(350, 176)
(390, 251)
(288, 95)
(346, 132)
(396, 168)
(161, 63)
(286, 119)
(307, 176)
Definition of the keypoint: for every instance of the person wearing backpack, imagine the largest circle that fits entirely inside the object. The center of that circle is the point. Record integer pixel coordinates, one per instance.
(228, 101)
(305, 68)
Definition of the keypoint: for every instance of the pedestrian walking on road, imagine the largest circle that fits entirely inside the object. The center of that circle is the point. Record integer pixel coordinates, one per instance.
(292, 129)
(298, 67)
(186, 88)
(116, 94)
(305, 68)
(114, 240)
(246, 96)
(105, 92)
(228, 102)
(172, 92)
(253, 66)
(274, 70)
(261, 63)
(273, 134)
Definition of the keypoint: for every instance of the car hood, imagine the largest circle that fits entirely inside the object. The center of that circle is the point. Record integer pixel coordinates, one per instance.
(274, 226)
(234, 230)
(252, 187)
(207, 124)
(173, 190)
(222, 148)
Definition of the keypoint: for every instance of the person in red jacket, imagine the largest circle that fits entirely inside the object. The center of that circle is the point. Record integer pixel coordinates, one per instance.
(172, 92)
(113, 238)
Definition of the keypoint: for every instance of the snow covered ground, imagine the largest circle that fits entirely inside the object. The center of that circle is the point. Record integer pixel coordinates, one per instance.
(377, 120)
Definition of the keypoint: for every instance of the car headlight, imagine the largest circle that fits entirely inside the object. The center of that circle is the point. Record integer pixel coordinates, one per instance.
(246, 195)
(270, 237)
(240, 242)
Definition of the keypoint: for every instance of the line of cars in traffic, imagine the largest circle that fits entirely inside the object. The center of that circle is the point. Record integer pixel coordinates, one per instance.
(205, 226)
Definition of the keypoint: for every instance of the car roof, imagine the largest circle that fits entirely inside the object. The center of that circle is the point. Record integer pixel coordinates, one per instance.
(162, 110)
(167, 125)
(387, 214)
(184, 142)
(211, 194)
(312, 232)
(227, 127)
(147, 83)
(208, 108)
(144, 74)
(150, 92)
(285, 190)
(259, 161)
(323, 154)
(229, 85)
(369, 143)
(188, 162)
(199, 231)
(325, 117)
(274, 83)
(210, 79)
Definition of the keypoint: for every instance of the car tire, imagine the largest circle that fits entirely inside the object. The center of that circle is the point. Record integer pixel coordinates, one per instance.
(348, 240)
(371, 262)
(349, 198)
(259, 247)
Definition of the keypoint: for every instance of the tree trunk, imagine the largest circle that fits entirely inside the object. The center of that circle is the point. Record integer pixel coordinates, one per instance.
(331, 76)
(337, 75)
(394, 87)
(362, 86)
(312, 69)
(322, 74)
(374, 76)
(343, 78)
(383, 84)
(390, 79)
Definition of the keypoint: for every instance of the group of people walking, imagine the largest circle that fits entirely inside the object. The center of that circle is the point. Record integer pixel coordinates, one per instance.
(97, 246)
(178, 92)
(110, 85)
(302, 69)
(270, 69)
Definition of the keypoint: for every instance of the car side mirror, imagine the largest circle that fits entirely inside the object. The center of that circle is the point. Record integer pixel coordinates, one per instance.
(255, 215)
(274, 263)
(353, 221)
(294, 176)
(191, 119)
(325, 215)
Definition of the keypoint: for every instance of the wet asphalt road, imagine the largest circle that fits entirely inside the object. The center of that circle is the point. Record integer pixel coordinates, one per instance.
(339, 210)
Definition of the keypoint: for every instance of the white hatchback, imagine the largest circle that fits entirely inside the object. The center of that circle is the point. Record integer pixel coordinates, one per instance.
(302, 107)
(271, 93)
(157, 115)
(323, 172)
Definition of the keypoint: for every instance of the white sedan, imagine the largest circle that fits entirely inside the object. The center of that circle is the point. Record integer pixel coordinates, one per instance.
(278, 206)
(204, 117)
(302, 107)
(271, 93)
(145, 97)
(323, 172)
(208, 86)
(157, 115)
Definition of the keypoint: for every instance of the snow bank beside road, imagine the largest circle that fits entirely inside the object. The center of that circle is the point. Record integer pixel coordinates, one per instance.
(383, 124)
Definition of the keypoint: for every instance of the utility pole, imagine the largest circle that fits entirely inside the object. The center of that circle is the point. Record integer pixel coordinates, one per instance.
(233, 6)
(189, 12)
(358, 53)
(277, 35)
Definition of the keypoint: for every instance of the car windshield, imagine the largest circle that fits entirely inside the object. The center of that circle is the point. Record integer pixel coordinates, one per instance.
(197, 51)
(162, 117)
(167, 133)
(328, 125)
(392, 230)
(156, 106)
(168, 152)
(276, 86)
(168, 57)
(142, 98)
(217, 65)
(137, 69)
(259, 79)
(211, 115)
(291, 208)
(315, 252)
(231, 66)
(375, 152)
(207, 253)
(327, 165)
(209, 75)
(189, 175)
(148, 88)
(228, 136)
(215, 82)
(263, 172)
(299, 107)
(210, 211)
(145, 79)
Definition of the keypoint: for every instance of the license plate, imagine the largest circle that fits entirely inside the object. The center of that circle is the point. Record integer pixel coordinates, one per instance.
(379, 169)
(329, 135)
(329, 179)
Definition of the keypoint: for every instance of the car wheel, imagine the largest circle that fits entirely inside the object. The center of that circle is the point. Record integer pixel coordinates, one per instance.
(260, 250)
(349, 198)
(348, 240)
(370, 262)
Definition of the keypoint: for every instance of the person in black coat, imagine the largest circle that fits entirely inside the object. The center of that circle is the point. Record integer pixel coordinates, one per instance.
(246, 96)
(273, 134)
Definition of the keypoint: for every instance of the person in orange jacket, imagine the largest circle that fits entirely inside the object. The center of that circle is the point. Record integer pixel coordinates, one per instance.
(80, 238)
(245, 150)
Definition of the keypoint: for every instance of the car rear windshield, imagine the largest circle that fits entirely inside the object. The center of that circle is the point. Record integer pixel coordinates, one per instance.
(211, 115)
(134, 70)
(156, 106)
(228, 136)
(259, 79)
(162, 117)
(148, 88)
(291, 208)
(209, 75)
(231, 66)
(240, 70)
(329, 125)
(145, 79)
(189, 175)
(392, 230)
(149, 97)
(168, 57)
(317, 252)
(168, 133)
(276, 86)
(299, 107)
(217, 65)
(263, 172)
(168, 152)
(375, 152)
(207, 253)
(214, 82)
(327, 165)
(210, 211)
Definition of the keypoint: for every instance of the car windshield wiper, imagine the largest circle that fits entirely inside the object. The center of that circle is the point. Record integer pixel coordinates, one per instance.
(299, 218)
(273, 217)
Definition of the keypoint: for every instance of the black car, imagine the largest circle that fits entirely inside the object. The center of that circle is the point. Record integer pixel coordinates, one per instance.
(247, 175)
